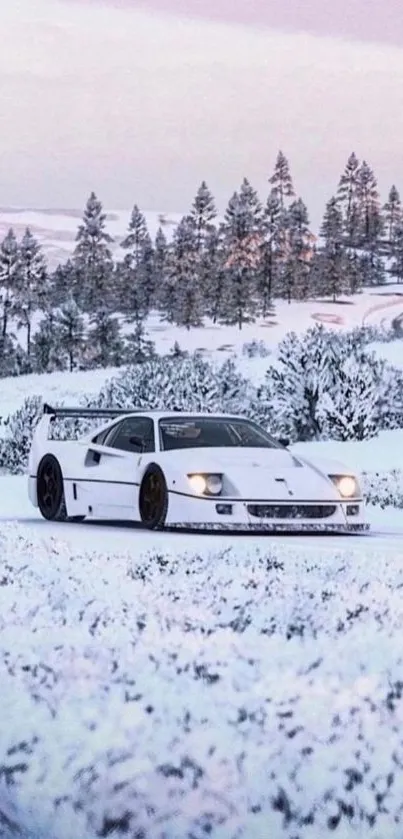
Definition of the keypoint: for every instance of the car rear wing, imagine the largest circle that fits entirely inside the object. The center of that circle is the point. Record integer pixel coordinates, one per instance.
(51, 413)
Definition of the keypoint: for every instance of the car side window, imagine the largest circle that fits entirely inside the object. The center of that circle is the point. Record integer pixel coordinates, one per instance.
(134, 434)
(101, 437)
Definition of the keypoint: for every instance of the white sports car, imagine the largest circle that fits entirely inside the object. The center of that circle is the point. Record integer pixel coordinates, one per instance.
(173, 469)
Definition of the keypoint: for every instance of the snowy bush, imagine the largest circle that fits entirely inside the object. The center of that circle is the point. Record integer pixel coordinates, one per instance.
(384, 489)
(326, 385)
(17, 433)
(254, 349)
(183, 383)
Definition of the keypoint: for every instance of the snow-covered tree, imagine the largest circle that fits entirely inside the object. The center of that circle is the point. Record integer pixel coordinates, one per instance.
(70, 326)
(138, 347)
(64, 284)
(181, 294)
(213, 272)
(392, 214)
(33, 290)
(331, 265)
(351, 406)
(371, 222)
(10, 269)
(242, 239)
(46, 348)
(136, 271)
(396, 268)
(92, 259)
(203, 213)
(294, 275)
(159, 264)
(281, 180)
(349, 199)
(271, 251)
(104, 339)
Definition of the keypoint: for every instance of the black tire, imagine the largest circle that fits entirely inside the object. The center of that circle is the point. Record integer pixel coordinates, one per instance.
(50, 490)
(153, 498)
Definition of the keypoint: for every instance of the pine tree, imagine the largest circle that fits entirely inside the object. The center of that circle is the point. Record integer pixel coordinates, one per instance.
(203, 213)
(213, 274)
(136, 271)
(182, 294)
(281, 180)
(70, 326)
(294, 279)
(92, 259)
(46, 345)
(396, 268)
(64, 283)
(159, 265)
(32, 292)
(10, 268)
(331, 274)
(349, 201)
(273, 227)
(369, 209)
(242, 239)
(139, 348)
(392, 214)
(107, 348)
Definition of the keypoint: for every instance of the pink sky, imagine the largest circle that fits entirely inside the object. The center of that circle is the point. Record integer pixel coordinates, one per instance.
(365, 20)
(140, 105)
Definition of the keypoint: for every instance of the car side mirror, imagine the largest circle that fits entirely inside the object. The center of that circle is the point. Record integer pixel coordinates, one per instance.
(284, 441)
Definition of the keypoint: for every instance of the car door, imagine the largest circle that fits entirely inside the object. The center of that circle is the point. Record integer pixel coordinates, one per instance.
(112, 463)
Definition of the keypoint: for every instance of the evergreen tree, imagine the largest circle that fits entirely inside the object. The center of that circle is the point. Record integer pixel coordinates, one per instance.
(159, 264)
(369, 209)
(242, 238)
(107, 348)
(213, 273)
(139, 348)
(294, 279)
(32, 292)
(351, 406)
(92, 259)
(392, 214)
(349, 200)
(64, 283)
(10, 268)
(281, 180)
(274, 221)
(396, 268)
(331, 274)
(182, 294)
(203, 213)
(70, 326)
(136, 271)
(46, 346)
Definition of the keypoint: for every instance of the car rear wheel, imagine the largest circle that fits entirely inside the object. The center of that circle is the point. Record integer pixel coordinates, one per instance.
(153, 500)
(50, 491)
(51, 501)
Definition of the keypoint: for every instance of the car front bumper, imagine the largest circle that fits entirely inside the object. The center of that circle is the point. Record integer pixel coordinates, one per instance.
(193, 512)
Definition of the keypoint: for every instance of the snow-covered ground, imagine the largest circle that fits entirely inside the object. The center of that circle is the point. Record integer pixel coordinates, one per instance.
(174, 687)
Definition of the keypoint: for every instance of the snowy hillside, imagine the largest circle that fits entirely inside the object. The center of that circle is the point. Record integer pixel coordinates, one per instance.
(56, 230)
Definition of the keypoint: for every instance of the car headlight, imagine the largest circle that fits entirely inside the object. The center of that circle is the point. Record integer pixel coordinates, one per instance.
(208, 484)
(347, 485)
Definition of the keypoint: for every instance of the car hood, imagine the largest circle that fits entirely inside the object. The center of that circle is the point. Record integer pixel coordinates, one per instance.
(255, 473)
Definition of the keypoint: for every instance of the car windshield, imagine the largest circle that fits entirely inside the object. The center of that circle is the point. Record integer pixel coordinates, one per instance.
(212, 432)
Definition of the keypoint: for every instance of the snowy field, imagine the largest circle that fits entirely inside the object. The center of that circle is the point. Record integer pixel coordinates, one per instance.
(178, 687)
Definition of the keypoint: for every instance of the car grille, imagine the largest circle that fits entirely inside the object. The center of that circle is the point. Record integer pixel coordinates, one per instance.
(291, 511)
